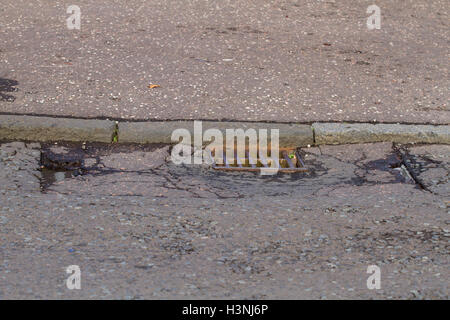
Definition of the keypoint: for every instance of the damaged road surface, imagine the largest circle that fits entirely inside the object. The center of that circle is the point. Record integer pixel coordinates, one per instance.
(139, 226)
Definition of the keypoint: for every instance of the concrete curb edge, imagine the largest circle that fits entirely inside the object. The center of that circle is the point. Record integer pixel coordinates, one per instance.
(41, 128)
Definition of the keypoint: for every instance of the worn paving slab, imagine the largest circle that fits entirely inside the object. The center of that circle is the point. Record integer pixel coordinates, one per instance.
(285, 61)
(142, 228)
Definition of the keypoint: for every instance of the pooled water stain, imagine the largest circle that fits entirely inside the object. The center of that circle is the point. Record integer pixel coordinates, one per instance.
(49, 177)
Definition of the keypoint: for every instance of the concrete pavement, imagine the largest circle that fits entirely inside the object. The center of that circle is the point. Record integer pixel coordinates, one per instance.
(282, 61)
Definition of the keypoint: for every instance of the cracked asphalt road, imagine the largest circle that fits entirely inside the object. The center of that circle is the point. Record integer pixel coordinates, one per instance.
(140, 227)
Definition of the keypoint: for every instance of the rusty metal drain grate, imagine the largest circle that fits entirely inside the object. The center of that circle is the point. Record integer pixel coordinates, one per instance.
(289, 162)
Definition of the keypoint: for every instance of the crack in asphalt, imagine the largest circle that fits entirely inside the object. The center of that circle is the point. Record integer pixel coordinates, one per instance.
(402, 153)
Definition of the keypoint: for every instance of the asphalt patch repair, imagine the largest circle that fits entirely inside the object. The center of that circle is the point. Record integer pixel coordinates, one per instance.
(358, 165)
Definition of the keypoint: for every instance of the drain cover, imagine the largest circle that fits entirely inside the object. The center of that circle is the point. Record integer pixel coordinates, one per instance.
(289, 162)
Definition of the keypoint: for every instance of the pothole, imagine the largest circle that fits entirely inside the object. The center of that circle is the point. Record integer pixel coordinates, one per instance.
(62, 161)
(58, 163)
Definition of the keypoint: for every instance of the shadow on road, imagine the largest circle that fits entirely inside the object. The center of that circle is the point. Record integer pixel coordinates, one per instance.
(7, 85)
